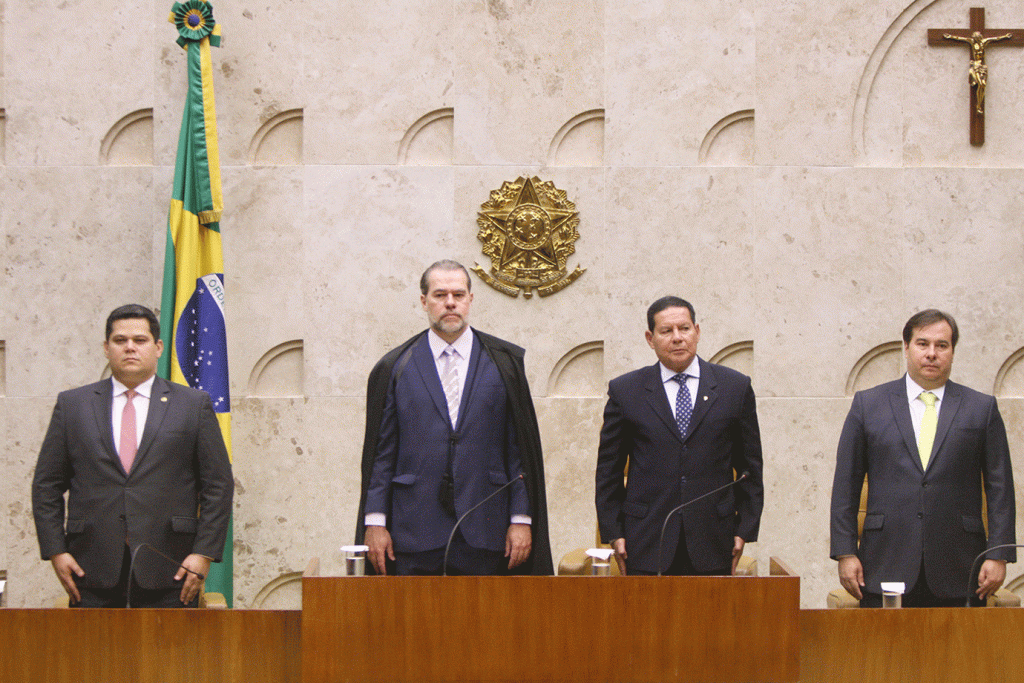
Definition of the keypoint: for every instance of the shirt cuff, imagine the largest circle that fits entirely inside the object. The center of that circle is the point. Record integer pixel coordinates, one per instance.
(522, 519)
(376, 519)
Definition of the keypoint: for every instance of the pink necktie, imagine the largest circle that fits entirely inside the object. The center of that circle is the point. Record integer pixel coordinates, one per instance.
(128, 443)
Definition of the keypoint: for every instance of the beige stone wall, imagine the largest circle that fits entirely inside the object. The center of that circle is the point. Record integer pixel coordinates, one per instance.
(799, 170)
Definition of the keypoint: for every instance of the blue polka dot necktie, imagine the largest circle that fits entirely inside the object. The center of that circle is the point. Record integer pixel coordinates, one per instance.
(684, 405)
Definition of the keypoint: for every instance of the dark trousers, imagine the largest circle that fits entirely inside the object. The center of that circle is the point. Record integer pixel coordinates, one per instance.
(140, 597)
(681, 564)
(921, 596)
(463, 560)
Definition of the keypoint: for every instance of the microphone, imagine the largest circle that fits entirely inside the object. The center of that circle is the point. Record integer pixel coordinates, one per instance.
(444, 564)
(661, 539)
(131, 569)
(975, 566)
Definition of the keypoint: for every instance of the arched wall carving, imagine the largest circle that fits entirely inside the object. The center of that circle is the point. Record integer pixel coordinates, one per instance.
(871, 71)
(430, 141)
(129, 142)
(579, 373)
(742, 149)
(881, 364)
(738, 356)
(284, 592)
(1010, 378)
(580, 141)
(279, 373)
(278, 142)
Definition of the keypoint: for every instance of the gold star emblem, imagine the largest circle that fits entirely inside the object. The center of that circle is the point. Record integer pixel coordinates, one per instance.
(528, 228)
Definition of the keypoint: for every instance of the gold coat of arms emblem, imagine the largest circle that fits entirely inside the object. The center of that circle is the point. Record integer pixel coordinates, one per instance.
(529, 229)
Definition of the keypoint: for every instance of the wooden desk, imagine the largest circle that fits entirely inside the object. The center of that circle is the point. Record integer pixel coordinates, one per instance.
(619, 629)
(149, 645)
(911, 645)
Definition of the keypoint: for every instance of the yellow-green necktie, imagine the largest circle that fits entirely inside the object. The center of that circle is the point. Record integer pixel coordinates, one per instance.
(929, 422)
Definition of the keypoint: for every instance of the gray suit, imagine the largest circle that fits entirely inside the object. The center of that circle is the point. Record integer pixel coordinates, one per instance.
(177, 497)
(913, 514)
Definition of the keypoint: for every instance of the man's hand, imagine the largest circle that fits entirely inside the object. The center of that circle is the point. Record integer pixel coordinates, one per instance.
(193, 584)
(991, 577)
(851, 575)
(378, 540)
(619, 546)
(737, 552)
(66, 569)
(518, 543)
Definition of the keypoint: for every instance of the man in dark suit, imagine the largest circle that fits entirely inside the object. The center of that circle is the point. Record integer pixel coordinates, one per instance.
(685, 427)
(925, 444)
(450, 421)
(143, 463)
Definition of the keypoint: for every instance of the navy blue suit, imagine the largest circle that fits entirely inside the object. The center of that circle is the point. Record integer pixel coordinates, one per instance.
(413, 451)
(667, 469)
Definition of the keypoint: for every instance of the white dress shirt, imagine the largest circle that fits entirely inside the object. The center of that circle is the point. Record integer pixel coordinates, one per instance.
(672, 386)
(141, 403)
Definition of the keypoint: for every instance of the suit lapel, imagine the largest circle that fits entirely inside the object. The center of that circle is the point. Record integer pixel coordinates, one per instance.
(951, 401)
(103, 408)
(159, 402)
(707, 394)
(901, 414)
(658, 401)
(427, 369)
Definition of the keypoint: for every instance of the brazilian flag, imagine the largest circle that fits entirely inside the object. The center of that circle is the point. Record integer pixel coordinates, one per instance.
(192, 304)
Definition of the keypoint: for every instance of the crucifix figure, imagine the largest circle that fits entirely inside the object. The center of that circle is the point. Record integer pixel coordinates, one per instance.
(978, 38)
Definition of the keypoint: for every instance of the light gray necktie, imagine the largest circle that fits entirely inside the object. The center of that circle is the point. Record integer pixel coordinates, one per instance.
(450, 382)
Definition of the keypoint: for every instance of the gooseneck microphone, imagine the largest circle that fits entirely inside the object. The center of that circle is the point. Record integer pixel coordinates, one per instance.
(975, 566)
(131, 568)
(661, 539)
(444, 564)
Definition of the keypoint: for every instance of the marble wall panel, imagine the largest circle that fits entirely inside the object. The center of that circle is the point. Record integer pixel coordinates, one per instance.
(522, 70)
(278, 516)
(1012, 410)
(547, 327)
(830, 274)
(259, 68)
(936, 94)
(369, 232)
(682, 231)
(69, 77)
(78, 245)
(31, 581)
(674, 70)
(809, 68)
(370, 72)
(570, 431)
(264, 276)
(963, 250)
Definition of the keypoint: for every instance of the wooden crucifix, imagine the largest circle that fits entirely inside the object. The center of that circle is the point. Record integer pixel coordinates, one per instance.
(978, 39)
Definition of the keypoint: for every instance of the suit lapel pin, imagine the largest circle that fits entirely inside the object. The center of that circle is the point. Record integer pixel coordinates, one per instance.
(705, 397)
(163, 399)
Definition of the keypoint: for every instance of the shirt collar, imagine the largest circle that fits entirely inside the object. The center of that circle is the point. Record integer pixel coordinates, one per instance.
(693, 370)
(914, 390)
(464, 344)
(144, 389)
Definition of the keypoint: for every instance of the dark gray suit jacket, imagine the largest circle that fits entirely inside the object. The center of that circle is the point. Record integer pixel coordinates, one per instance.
(666, 470)
(177, 497)
(912, 513)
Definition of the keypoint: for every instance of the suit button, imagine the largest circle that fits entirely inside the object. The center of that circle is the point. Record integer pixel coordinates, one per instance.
(920, 515)
(121, 517)
(682, 479)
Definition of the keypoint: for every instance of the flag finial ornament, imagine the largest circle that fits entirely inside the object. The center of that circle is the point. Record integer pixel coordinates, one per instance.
(194, 19)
